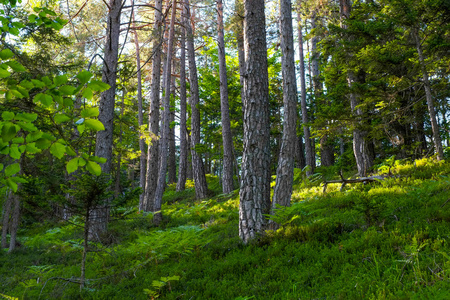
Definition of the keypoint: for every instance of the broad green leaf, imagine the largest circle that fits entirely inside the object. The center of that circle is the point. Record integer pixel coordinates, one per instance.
(84, 76)
(99, 86)
(43, 143)
(67, 102)
(94, 124)
(11, 184)
(23, 92)
(60, 118)
(58, 150)
(100, 160)
(85, 156)
(45, 99)
(4, 73)
(58, 99)
(48, 136)
(81, 128)
(22, 148)
(4, 150)
(90, 112)
(7, 115)
(31, 148)
(27, 126)
(59, 80)
(12, 169)
(18, 140)
(67, 89)
(72, 165)
(70, 151)
(16, 66)
(16, 93)
(6, 54)
(93, 168)
(81, 162)
(8, 131)
(14, 152)
(19, 179)
(47, 81)
(26, 117)
(38, 83)
(34, 136)
(87, 93)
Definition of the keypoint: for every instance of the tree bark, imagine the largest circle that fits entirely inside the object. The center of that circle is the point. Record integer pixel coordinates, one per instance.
(142, 157)
(255, 183)
(201, 188)
(104, 141)
(309, 150)
(227, 178)
(15, 219)
(430, 103)
(285, 170)
(117, 188)
(153, 147)
(172, 162)
(7, 206)
(182, 171)
(157, 218)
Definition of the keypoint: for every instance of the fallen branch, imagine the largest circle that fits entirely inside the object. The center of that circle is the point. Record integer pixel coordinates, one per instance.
(344, 181)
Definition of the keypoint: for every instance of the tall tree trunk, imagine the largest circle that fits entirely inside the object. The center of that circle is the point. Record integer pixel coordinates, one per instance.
(172, 160)
(15, 219)
(142, 157)
(430, 103)
(360, 144)
(189, 171)
(227, 178)
(117, 188)
(201, 188)
(285, 170)
(309, 150)
(255, 183)
(153, 147)
(165, 120)
(182, 171)
(300, 150)
(104, 141)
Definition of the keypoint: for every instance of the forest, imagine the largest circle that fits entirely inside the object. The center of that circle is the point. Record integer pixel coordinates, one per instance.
(246, 149)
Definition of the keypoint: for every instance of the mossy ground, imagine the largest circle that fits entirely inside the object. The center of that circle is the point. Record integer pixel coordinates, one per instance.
(384, 240)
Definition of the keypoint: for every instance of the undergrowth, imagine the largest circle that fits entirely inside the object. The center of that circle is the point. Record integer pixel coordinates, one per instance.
(383, 240)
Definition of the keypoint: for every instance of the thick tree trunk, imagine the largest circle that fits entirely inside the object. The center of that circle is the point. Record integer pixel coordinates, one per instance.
(15, 219)
(104, 141)
(430, 103)
(300, 150)
(255, 183)
(201, 188)
(165, 121)
(172, 163)
(153, 147)
(227, 178)
(142, 157)
(285, 170)
(189, 172)
(182, 171)
(309, 149)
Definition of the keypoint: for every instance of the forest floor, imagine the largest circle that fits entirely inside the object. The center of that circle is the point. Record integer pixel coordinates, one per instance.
(383, 240)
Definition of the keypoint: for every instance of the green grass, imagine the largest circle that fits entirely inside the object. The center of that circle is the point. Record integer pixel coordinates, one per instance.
(385, 240)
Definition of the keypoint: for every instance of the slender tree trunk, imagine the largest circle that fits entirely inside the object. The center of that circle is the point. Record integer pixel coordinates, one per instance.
(255, 183)
(285, 170)
(104, 141)
(189, 172)
(15, 219)
(165, 120)
(142, 157)
(181, 184)
(430, 103)
(153, 147)
(301, 160)
(172, 163)
(7, 206)
(309, 150)
(117, 188)
(227, 178)
(201, 188)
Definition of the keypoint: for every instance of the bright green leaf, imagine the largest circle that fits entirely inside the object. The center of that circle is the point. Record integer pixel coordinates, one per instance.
(7, 115)
(61, 118)
(90, 112)
(81, 162)
(43, 143)
(11, 184)
(99, 86)
(72, 165)
(8, 131)
(34, 136)
(67, 89)
(12, 169)
(31, 148)
(84, 76)
(27, 126)
(87, 93)
(6, 54)
(70, 151)
(14, 152)
(26, 117)
(18, 140)
(38, 83)
(100, 160)
(59, 80)
(94, 124)
(81, 128)
(58, 150)
(16, 66)
(94, 168)
(4, 73)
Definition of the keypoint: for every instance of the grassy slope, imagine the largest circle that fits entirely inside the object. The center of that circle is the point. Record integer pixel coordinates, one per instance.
(374, 241)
